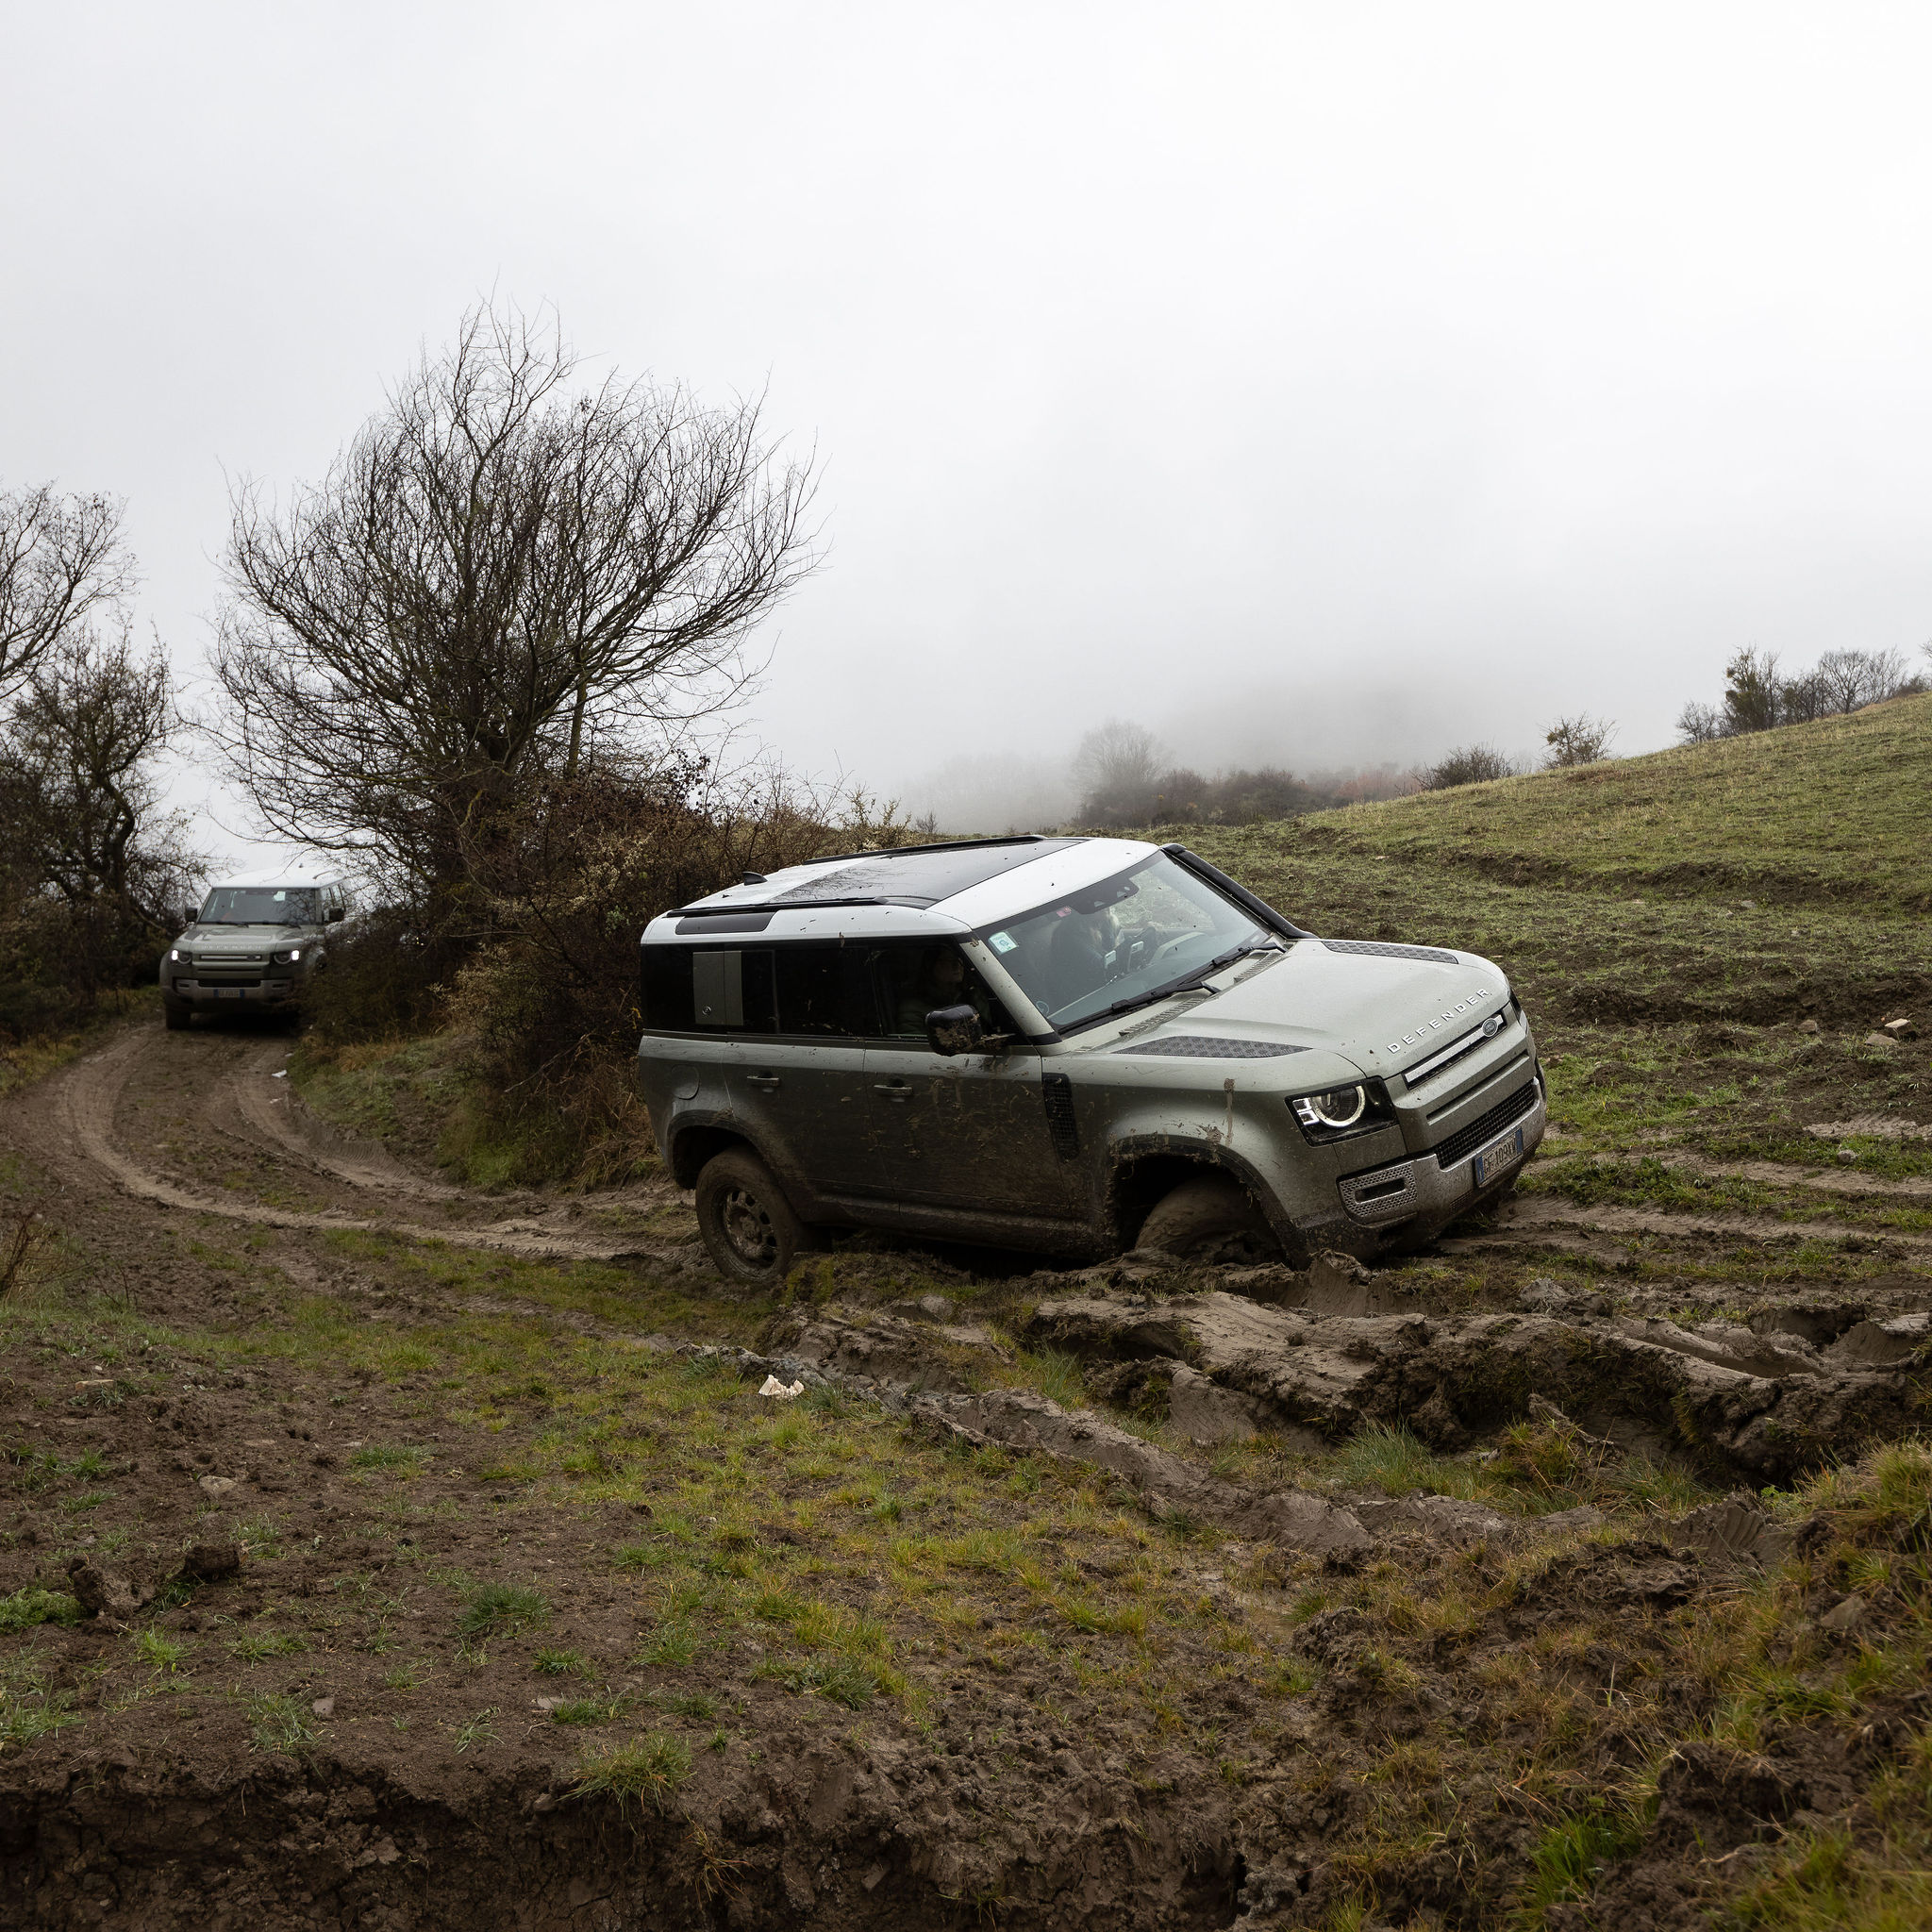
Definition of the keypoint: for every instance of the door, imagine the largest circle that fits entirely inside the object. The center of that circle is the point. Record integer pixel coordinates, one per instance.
(965, 1130)
(797, 1075)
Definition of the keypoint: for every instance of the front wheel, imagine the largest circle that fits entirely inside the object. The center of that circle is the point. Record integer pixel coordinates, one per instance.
(744, 1219)
(174, 1016)
(1210, 1218)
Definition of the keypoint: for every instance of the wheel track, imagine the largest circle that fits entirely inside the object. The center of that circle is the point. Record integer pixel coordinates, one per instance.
(88, 1101)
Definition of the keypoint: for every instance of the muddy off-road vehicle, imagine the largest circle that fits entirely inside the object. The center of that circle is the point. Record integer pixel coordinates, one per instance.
(1068, 1045)
(254, 945)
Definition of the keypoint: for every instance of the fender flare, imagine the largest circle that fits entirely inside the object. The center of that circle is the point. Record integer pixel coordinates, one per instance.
(1123, 1153)
(721, 1119)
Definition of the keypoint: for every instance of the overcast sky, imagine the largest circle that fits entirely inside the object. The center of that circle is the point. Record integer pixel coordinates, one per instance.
(1309, 383)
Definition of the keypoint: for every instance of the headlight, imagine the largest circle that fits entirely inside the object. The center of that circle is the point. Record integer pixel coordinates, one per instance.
(176, 953)
(1343, 1110)
(288, 958)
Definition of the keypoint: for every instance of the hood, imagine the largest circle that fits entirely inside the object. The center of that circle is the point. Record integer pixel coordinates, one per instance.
(244, 938)
(1380, 1007)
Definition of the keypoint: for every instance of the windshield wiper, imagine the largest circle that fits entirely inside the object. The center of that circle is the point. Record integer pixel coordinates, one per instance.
(1188, 981)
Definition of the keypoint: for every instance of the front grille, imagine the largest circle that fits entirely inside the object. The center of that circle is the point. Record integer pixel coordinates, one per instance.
(1459, 1146)
(1200, 1046)
(1375, 949)
(1057, 1091)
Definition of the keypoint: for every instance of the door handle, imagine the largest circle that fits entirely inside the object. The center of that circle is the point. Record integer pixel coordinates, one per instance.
(894, 1089)
(768, 1081)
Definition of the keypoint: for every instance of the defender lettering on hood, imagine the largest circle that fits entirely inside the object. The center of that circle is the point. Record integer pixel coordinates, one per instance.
(1435, 1025)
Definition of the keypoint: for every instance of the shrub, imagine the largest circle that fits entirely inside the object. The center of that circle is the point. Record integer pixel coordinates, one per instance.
(1469, 764)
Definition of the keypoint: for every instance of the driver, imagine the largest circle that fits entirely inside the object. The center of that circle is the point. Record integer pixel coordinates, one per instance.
(942, 982)
(1077, 954)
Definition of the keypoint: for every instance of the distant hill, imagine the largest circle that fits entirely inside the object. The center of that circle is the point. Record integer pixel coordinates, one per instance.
(1835, 811)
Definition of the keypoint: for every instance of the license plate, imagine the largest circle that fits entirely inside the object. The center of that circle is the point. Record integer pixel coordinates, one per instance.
(227, 993)
(1498, 1155)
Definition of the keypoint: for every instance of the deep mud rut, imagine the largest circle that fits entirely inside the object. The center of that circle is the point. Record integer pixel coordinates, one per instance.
(165, 1160)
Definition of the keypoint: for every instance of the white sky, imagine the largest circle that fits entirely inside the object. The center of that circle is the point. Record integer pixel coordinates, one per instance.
(1306, 382)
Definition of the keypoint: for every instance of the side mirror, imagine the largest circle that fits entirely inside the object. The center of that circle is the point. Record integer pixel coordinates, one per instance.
(335, 915)
(951, 1030)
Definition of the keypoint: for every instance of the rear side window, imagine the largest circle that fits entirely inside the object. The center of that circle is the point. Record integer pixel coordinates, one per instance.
(814, 991)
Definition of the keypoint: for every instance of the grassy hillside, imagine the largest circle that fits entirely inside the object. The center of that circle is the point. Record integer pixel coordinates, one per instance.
(1833, 812)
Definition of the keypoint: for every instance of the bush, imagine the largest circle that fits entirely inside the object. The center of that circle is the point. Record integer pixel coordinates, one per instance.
(1471, 764)
(1578, 740)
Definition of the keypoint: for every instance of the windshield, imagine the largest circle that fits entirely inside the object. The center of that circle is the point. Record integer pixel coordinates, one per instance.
(1121, 941)
(262, 905)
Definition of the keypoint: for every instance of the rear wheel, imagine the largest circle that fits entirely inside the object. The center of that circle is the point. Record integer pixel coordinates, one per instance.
(747, 1225)
(1210, 1218)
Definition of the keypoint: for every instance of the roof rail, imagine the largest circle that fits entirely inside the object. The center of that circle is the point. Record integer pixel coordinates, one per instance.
(942, 845)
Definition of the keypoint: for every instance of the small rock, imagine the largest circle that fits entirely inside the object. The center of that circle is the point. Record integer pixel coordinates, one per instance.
(1888, 1041)
(324, 1706)
(1843, 1614)
(1901, 1027)
(1807, 1025)
(1848, 1157)
(216, 1485)
(784, 1393)
(550, 1704)
(1748, 904)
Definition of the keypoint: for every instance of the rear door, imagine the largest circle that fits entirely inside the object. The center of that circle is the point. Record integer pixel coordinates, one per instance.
(798, 1074)
(961, 1130)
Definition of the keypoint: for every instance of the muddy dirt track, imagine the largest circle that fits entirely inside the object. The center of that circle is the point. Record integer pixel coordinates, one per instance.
(192, 1193)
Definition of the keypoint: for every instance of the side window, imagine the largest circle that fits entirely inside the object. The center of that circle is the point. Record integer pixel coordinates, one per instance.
(824, 992)
(814, 991)
(913, 979)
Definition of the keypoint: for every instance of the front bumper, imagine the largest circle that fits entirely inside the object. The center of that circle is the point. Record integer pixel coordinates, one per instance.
(271, 993)
(1423, 1189)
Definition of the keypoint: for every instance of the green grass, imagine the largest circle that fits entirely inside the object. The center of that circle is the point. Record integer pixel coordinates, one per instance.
(501, 1610)
(651, 1768)
(1822, 814)
(279, 1724)
(26, 1607)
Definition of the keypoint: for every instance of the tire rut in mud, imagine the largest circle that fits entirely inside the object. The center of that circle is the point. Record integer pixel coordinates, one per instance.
(91, 1097)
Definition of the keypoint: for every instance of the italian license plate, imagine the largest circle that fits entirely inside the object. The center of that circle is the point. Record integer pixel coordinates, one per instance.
(227, 993)
(1498, 1155)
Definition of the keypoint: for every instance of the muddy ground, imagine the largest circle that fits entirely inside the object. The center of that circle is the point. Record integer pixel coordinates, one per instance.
(383, 1554)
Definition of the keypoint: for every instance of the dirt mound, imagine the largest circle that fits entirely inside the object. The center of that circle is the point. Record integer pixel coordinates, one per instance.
(1738, 1400)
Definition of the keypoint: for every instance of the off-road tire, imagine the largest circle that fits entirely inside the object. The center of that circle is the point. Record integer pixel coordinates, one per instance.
(174, 1016)
(744, 1219)
(1204, 1216)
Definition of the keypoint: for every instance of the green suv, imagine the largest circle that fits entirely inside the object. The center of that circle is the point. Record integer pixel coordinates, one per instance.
(254, 945)
(1072, 1046)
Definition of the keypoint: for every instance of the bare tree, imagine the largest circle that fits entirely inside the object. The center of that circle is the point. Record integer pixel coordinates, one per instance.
(77, 766)
(1578, 740)
(1117, 768)
(61, 559)
(501, 567)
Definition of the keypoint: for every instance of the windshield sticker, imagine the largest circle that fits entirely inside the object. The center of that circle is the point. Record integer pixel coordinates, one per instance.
(1002, 943)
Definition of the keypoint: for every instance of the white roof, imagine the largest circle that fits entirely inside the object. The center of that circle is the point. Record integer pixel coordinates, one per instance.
(1063, 867)
(280, 875)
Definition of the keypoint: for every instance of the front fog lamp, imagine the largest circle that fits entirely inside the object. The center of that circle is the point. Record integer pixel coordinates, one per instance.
(289, 958)
(1341, 1108)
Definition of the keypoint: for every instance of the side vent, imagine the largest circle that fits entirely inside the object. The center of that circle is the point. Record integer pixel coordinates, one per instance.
(1056, 1091)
